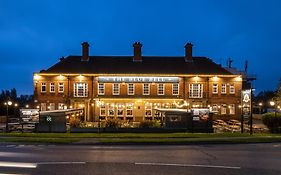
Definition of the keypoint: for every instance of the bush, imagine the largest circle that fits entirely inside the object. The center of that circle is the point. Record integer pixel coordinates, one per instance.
(74, 122)
(111, 123)
(149, 124)
(273, 123)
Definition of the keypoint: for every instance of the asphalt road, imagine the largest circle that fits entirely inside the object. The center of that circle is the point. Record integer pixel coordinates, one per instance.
(257, 159)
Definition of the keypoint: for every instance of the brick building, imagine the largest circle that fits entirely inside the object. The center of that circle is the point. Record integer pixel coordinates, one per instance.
(131, 87)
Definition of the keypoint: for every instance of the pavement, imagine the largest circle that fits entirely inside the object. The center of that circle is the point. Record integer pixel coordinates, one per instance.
(258, 159)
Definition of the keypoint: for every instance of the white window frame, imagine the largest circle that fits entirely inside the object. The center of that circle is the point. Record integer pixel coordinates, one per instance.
(102, 110)
(60, 106)
(223, 109)
(161, 89)
(43, 107)
(52, 106)
(52, 87)
(148, 107)
(215, 108)
(111, 107)
(60, 87)
(76, 92)
(232, 88)
(120, 108)
(131, 89)
(129, 107)
(223, 88)
(195, 93)
(115, 89)
(215, 88)
(101, 88)
(146, 89)
(232, 109)
(44, 85)
(175, 88)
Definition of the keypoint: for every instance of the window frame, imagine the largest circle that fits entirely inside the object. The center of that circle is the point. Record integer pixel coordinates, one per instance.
(160, 88)
(60, 85)
(144, 89)
(175, 88)
(114, 88)
(232, 88)
(215, 88)
(133, 88)
(232, 109)
(76, 92)
(199, 90)
(223, 87)
(101, 89)
(43, 84)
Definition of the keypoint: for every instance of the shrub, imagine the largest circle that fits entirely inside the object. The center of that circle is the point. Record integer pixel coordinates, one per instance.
(74, 122)
(111, 123)
(273, 123)
(149, 124)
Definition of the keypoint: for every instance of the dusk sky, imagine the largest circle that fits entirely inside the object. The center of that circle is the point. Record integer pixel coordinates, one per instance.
(34, 34)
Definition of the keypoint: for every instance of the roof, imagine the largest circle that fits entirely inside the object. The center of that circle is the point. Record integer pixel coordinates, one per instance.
(126, 65)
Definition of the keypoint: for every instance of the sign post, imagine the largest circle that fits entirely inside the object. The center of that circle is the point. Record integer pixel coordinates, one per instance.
(246, 100)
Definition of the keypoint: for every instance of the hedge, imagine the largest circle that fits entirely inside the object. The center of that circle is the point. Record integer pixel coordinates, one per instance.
(272, 122)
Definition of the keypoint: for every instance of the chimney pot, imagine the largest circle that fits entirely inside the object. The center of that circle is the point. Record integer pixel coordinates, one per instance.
(137, 51)
(85, 51)
(188, 52)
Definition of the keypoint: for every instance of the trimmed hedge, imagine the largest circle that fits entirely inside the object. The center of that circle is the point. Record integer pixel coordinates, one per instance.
(273, 123)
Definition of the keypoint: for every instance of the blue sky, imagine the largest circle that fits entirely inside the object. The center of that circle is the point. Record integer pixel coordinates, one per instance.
(35, 34)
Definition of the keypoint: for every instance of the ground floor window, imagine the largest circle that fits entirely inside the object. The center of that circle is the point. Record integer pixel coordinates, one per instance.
(232, 109)
(129, 109)
(111, 111)
(102, 110)
(120, 110)
(61, 106)
(223, 109)
(148, 109)
(215, 108)
(51, 106)
(43, 107)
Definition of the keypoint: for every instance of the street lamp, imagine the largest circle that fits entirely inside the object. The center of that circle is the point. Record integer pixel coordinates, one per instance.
(272, 103)
(9, 103)
(260, 106)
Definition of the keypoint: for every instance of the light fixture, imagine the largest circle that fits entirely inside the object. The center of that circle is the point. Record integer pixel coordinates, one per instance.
(260, 104)
(36, 77)
(272, 103)
(9, 103)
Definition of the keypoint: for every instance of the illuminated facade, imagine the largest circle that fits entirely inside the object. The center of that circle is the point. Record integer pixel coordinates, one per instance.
(129, 88)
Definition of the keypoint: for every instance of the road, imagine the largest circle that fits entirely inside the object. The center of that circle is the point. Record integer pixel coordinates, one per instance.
(258, 159)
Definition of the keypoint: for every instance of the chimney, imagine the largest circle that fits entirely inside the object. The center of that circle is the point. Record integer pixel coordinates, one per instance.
(137, 51)
(188, 52)
(85, 51)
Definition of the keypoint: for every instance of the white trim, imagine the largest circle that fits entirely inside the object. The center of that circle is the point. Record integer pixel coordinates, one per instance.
(52, 85)
(45, 84)
(99, 93)
(159, 88)
(178, 89)
(215, 88)
(129, 88)
(230, 91)
(118, 88)
(60, 86)
(143, 89)
(223, 92)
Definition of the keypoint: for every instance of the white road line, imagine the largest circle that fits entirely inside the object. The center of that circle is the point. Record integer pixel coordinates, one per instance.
(18, 165)
(189, 165)
(59, 163)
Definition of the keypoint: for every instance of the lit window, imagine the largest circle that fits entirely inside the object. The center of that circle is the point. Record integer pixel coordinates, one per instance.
(102, 110)
(52, 87)
(196, 90)
(131, 89)
(146, 89)
(161, 89)
(52, 106)
(43, 107)
(60, 106)
(215, 88)
(120, 111)
(129, 109)
(215, 108)
(43, 87)
(232, 109)
(223, 109)
(232, 89)
(148, 109)
(80, 90)
(101, 89)
(61, 87)
(223, 88)
(116, 89)
(111, 111)
(175, 89)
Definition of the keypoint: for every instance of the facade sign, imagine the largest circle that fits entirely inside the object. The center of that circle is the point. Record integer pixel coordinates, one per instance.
(138, 79)
(246, 102)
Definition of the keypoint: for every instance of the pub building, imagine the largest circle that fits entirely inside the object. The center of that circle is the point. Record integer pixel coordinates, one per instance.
(130, 88)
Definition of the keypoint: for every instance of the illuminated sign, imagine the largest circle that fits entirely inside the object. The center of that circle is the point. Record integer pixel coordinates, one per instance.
(139, 79)
(246, 103)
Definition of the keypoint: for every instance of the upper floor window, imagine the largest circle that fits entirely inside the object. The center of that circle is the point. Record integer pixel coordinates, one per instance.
(146, 89)
(175, 89)
(101, 89)
(61, 87)
(223, 88)
(52, 87)
(116, 89)
(196, 90)
(215, 88)
(161, 89)
(43, 87)
(80, 90)
(232, 89)
(131, 89)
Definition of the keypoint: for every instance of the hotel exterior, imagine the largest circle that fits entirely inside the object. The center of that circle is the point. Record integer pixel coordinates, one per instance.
(129, 88)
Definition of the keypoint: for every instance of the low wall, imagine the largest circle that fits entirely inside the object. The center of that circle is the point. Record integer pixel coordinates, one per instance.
(126, 130)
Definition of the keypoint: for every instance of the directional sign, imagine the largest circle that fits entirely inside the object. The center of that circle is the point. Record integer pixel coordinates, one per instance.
(49, 119)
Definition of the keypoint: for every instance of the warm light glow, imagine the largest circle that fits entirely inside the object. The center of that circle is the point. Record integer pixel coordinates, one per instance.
(61, 77)
(260, 104)
(70, 107)
(272, 103)
(16, 104)
(80, 77)
(215, 78)
(196, 78)
(10, 103)
(278, 107)
(238, 78)
(240, 106)
(27, 106)
(36, 77)
(37, 107)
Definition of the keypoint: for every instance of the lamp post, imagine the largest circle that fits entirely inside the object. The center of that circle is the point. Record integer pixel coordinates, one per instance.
(272, 103)
(260, 106)
(8, 103)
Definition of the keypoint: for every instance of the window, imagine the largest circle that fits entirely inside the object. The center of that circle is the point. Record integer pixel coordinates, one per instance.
(146, 89)
(80, 90)
(223, 88)
(215, 88)
(196, 90)
(52, 87)
(120, 111)
(215, 108)
(129, 109)
(61, 106)
(116, 89)
(43, 87)
(52, 106)
(61, 87)
(175, 89)
(101, 89)
(161, 89)
(231, 109)
(43, 107)
(232, 89)
(111, 111)
(148, 109)
(223, 109)
(102, 110)
(131, 89)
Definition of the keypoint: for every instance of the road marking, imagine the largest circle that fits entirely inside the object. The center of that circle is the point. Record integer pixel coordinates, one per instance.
(18, 165)
(59, 163)
(189, 165)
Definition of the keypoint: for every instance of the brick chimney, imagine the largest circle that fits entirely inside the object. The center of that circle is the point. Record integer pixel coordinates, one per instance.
(85, 51)
(188, 52)
(137, 51)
